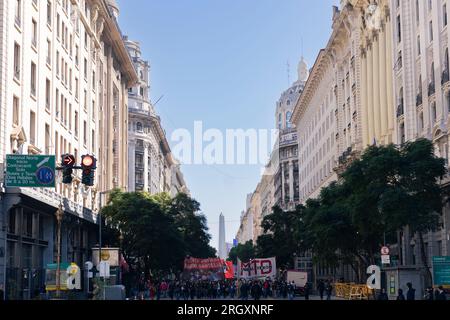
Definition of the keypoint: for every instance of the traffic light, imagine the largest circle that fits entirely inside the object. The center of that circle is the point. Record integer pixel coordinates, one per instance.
(67, 162)
(88, 166)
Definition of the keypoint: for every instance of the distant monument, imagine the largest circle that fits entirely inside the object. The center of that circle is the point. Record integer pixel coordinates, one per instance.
(222, 244)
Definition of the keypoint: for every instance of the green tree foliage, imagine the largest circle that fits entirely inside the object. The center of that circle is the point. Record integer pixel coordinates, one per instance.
(244, 252)
(158, 232)
(387, 189)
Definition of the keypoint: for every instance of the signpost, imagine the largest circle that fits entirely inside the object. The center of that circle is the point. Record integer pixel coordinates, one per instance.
(385, 257)
(30, 171)
(441, 271)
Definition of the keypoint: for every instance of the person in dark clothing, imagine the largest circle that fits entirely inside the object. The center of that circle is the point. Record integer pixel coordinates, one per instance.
(321, 289)
(411, 294)
(429, 294)
(400, 296)
(441, 296)
(256, 291)
(383, 295)
(328, 290)
(307, 291)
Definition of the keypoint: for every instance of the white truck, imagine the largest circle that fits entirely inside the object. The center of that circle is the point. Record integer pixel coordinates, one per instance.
(300, 279)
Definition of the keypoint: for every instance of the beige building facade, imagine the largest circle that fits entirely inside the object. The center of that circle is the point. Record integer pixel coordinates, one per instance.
(64, 77)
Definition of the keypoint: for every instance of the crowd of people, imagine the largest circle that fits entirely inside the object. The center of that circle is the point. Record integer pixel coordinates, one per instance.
(227, 289)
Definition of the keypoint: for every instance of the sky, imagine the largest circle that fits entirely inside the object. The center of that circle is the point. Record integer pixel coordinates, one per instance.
(225, 63)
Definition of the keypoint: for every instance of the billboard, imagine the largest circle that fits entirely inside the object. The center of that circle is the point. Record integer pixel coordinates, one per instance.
(203, 269)
(257, 268)
(441, 271)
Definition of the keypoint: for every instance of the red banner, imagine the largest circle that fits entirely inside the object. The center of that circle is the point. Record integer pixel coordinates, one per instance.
(202, 264)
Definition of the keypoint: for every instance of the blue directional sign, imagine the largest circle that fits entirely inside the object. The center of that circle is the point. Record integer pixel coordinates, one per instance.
(45, 175)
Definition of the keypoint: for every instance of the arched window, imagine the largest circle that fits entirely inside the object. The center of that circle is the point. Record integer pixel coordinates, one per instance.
(433, 114)
(139, 127)
(432, 72)
(288, 119)
(288, 102)
(446, 60)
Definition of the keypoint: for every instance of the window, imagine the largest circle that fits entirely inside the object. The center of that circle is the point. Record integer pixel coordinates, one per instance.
(47, 139)
(444, 15)
(77, 53)
(58, 26)
(49, 13)
(57, 104)
(280, 121)
(77, 89)
(18, 13)
(33, 79)
(85, 69)
(431, 30)
(49, 52)
(420, 123)
(84, 133)
(47, 94)
(70, 116)
(16, 61)
(76, 124)
(399, 30)
(288, 119)
(93, 110)
(418, 46)
(402, 137)
(93, 141)
(34, 33)
(433, 113)
(16, 111)
(57, 64)
(139, 127)
(32, 128)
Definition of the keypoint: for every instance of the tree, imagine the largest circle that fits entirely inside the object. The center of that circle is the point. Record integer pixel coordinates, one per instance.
(158, 231)
(244, 252)
(192, 225)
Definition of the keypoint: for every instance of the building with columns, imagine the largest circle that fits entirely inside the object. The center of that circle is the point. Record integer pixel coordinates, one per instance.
(422, 95)
(152, 167)
(64, 77)
(286, 176)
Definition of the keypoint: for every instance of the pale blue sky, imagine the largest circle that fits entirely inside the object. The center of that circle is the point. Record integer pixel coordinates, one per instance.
(223, 63)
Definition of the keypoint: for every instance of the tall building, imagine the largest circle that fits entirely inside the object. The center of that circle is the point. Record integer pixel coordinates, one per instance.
(422, 96)
(223, 254)
(152, 167)
(286, 176)
(64, 74)
(279, 185)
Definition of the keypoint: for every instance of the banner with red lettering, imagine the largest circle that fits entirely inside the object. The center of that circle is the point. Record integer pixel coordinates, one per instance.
(203, 269)
(257, 268)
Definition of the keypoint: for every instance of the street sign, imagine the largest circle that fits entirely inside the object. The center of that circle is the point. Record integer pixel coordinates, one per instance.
(386, 259)
(441, 271)
(385, 251)
(30, 171)
(105, 269)
(68, 160)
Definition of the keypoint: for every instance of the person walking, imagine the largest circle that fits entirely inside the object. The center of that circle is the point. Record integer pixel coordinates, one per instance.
(307, 291)
(441, 296)
(291, 290)
(256, 291)
(400, 296)
(411, 294)
(321, 288)
(429, 294)
(328, 289)
(383, 295)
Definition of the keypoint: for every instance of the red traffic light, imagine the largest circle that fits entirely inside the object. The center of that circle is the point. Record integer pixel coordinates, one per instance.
(68, 160)
(88, 161)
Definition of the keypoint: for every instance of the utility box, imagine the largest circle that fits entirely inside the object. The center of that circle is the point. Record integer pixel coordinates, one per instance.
(115, 293)
(397, 278)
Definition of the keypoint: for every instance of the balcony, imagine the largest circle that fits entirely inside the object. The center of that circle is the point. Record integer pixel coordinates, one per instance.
(400, 110)
(139, 166)
(445, 77)
(139, 185)
(431, 89)
(419, 99)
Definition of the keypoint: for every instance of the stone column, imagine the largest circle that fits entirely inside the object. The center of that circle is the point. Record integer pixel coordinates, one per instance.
(383, 89)
(364, 101)
(291, 181)
(389, 80)
(370, 105)
(376, 89)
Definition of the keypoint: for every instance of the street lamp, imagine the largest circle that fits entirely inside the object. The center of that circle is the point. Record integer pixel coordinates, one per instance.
(59, 217)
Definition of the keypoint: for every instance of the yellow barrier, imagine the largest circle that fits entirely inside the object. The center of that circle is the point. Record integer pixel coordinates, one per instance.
(352, 291)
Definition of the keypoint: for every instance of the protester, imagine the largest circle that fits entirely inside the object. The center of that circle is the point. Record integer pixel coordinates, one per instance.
(400, 296)
(441, 296)
(411, 294)
(321, 288)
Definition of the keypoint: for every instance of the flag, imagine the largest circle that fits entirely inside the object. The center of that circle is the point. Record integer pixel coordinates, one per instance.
(229, 274)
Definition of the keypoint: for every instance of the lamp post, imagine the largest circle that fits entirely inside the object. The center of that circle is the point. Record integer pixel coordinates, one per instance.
(120, 256)
(59, 217)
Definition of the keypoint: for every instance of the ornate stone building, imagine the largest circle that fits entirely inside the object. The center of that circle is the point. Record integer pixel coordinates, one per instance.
(151, 164)
(64, 74)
